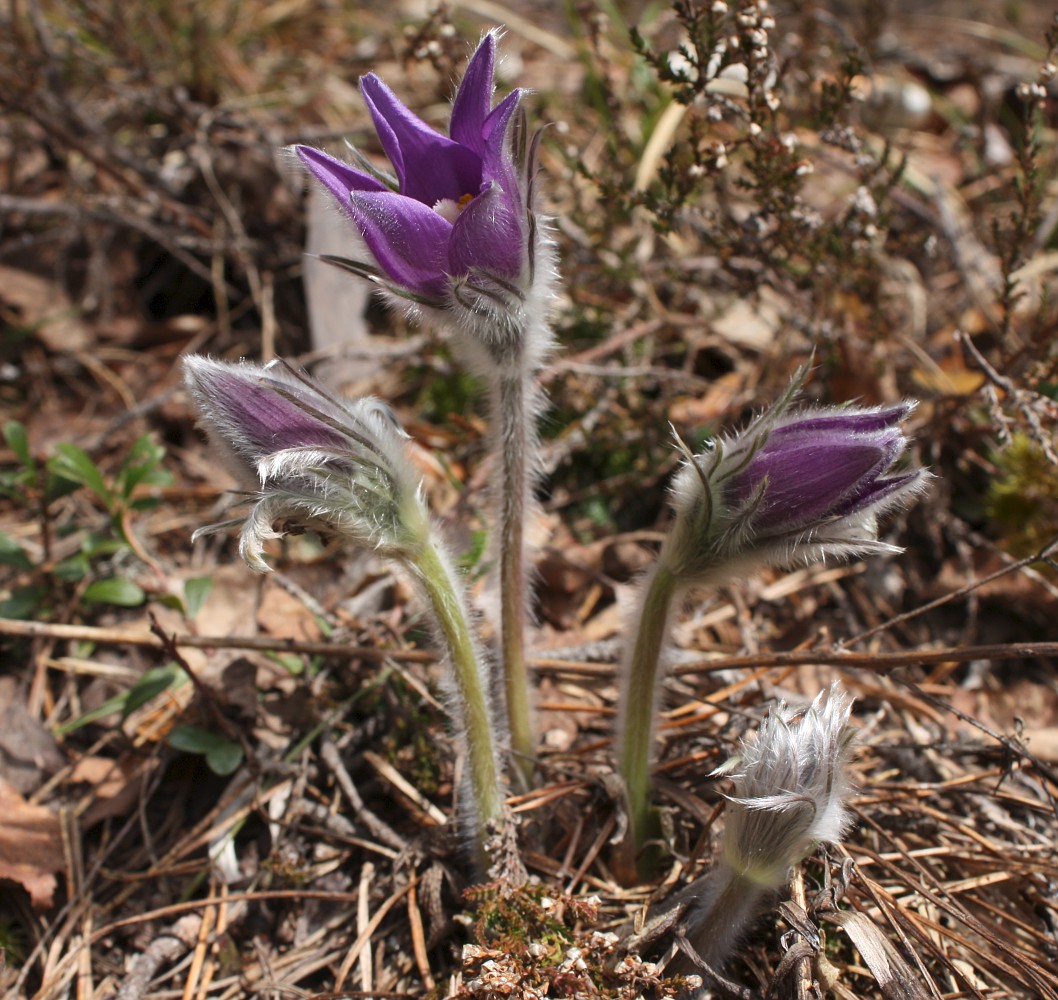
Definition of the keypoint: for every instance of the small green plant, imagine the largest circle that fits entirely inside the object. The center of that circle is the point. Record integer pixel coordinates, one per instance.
(530, 942)
(76, 550)
(1023, 496)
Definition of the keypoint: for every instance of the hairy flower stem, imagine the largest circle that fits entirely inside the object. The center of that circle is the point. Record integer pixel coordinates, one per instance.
(639, 693)
(514, 418)
(444, 591)
(723, 905)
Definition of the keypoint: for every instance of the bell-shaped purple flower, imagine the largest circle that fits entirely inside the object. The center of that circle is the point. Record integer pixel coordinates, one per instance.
(454, 224)
(791, 487)
(319, 461)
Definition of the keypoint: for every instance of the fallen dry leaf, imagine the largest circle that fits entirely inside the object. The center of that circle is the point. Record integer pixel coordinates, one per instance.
(43, 306)
(30, 846)
(280, 613)
(28, 751)
(115, 785)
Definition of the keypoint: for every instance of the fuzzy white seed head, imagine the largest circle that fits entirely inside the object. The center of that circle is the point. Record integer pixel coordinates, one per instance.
(791, 787)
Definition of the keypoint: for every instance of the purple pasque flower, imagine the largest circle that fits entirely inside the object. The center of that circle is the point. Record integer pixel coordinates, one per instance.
(453, 226)
(318, 461)
(791, 487)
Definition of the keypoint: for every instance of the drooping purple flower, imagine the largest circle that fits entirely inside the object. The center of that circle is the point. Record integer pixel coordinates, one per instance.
(792, 487)
(454, 224)
(318, 460)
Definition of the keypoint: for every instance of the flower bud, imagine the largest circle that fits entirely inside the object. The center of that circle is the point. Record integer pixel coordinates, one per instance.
(319, 461)
(791, 785)
(790, 488)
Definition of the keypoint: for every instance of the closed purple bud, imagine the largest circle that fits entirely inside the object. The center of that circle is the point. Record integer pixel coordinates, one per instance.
(791, 488)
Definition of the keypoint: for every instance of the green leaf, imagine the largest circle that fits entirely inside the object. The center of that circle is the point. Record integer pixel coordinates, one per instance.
(73, 569)
(57, 486)
(23, 602)
(73, 463)
(196, 590)
(18, 441)
(123, 593)
(150, 685)
(95, 546)
(12, 554)
(142, 466)
(222, 755)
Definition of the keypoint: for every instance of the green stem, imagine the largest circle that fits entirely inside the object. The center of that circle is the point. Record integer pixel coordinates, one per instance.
(516, 437)
(639, 694)
(445, 594)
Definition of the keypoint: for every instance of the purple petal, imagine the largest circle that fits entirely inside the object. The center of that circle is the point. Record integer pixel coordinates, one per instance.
(807, 482)
(500, 116)
(249, 416)
(851, 421)
(338, 177)
(489, 235)
(430, 166)
(498, 164)
(876, 492)
(474, 97)
(409, 240)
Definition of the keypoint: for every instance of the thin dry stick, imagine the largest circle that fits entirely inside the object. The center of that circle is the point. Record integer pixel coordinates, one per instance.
(138, 637)
(363, 917)
(378, 827)
(166, 948)
(198, 958)
(418, 939)
(365, 936)
(878, 662)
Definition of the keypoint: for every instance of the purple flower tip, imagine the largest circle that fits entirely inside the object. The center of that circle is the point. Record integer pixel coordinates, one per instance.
(792, 487)
(243, 407)
(459, 211)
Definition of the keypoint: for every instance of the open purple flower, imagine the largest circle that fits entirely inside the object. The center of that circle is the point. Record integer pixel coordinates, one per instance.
(792, 487)
(455, 218)
(319, 461)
